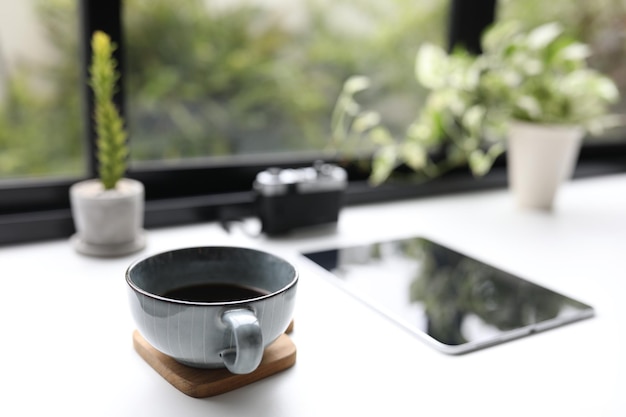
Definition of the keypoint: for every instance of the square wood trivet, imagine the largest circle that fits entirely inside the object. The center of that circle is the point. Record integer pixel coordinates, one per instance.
(202, 383)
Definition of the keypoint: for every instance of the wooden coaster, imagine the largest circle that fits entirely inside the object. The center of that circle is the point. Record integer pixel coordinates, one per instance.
(201, 383)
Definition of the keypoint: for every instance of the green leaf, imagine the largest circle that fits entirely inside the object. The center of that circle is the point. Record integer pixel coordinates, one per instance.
(381, 136)
(414, 155)
(494, 37)
(575, 52)
(544, 35)
(606, 89)
(529, 106)
(473, 119)
(532, 67)
(356, 84)
(365, 121)
(384, 162)
(479, 163)
(431, 66)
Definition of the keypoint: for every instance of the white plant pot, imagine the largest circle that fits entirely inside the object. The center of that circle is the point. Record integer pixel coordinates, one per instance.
(108, 222)
(540, 158)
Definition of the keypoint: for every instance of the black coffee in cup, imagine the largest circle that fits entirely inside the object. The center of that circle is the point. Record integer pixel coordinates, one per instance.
(215, 293)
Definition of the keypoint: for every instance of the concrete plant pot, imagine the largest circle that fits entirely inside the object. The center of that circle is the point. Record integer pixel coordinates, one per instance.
(540, 158)
(108, 222)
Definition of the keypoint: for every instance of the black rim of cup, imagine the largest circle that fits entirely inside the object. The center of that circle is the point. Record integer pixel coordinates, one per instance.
(140, 290)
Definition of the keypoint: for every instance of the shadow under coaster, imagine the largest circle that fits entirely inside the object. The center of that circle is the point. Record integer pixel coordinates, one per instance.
(202, 383)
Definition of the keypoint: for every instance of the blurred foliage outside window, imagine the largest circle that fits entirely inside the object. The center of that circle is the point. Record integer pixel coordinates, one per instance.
(41, 120)
(212, 78)
(226, 78)
(250, 77)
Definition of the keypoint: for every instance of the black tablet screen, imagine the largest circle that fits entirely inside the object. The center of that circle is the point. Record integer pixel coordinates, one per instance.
(459, 302)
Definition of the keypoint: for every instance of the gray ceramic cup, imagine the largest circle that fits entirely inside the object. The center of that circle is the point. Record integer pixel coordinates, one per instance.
(217, 329)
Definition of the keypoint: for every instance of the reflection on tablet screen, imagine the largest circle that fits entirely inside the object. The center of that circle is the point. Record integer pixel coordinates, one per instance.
(456, 302)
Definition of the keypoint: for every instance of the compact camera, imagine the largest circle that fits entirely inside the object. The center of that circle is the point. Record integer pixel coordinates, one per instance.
(292, 198)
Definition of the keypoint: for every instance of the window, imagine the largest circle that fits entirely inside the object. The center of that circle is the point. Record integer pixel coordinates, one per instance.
(215, 91)
(40, 112)
(226, 81)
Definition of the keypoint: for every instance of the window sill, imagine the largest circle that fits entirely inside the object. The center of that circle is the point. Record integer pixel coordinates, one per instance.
(57, 223)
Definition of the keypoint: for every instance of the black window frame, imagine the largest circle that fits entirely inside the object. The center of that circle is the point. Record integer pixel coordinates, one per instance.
(33, 210)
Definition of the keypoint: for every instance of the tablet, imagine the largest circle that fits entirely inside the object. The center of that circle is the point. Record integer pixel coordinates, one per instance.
(454, 302)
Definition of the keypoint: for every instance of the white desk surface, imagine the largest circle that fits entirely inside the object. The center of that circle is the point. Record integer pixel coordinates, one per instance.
(66, 346)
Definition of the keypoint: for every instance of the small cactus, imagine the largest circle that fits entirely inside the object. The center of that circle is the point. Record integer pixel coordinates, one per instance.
(111, 136)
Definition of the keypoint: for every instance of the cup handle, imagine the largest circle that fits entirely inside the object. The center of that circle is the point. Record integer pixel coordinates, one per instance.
(246, 356)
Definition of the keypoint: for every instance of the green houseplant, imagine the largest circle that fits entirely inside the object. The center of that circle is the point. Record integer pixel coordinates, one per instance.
(553, 99)
(107, 211)
(537, 77)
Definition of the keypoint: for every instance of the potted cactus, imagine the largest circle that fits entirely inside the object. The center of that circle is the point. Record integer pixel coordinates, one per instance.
(107, 211)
